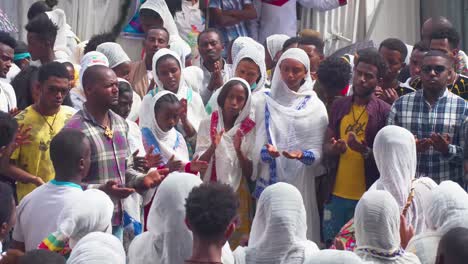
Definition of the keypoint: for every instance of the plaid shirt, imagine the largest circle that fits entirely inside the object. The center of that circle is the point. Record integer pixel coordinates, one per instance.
(447, 116)
(108, 156)
(238, 30)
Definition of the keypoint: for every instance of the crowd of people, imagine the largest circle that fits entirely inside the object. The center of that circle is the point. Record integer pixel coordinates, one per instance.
(268, 151)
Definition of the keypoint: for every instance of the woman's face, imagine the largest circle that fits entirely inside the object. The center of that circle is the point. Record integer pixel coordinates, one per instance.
(123, 70)
(168, 115)
(248, 71)
(235, 100)
(293, 72)
(169, 74)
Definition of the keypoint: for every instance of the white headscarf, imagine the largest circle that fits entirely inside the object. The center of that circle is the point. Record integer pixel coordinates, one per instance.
(168, 239)
(422, 195)
(114, 53)
(329, 256)
(92, 58)
(259, 59)
(195, 108)
(92, 212)
(58, 17)
(395, 157)
(98, 248)
(447, 208)
(228, 169)
(280, 90)
(377, 224)
(275, 43)
(278, 230)
(166, 140)
(242, 42)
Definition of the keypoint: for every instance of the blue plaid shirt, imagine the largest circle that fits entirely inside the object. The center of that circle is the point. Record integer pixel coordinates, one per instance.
(447, 116)
(232, 32)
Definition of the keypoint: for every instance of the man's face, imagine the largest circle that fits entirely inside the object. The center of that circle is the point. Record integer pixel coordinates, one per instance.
(210, 47)
(416, 60)
(36, 45)
(53, 91)
(6, 59)
(436, 73)
(394, 62)
(444, 46)
(314, 56)
(365, 79)
(148, 22)
(155, 40)
(105, 91)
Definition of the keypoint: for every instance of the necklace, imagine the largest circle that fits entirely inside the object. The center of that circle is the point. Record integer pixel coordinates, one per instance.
(354, 118)
(108, 132)
(51, 126)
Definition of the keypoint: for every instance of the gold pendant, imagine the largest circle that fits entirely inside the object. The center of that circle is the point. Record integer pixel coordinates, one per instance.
(109, 133)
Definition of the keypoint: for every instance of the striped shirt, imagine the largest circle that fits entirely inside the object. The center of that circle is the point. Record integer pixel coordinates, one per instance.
(109, 156)
(446, 116)
(238, 30)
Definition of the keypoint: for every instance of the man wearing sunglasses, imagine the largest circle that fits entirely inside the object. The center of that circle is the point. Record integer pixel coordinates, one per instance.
(436, 117)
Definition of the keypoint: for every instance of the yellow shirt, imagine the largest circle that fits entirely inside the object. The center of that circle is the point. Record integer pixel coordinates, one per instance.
(350, 177)
(34, 157)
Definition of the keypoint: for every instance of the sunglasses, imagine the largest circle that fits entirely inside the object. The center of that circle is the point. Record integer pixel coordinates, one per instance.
(438, 69)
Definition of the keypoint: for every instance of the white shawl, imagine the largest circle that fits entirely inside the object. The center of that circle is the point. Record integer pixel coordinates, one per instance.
(168, 240)
(377, 224)
(228, 169)
(243, 42)
(165, 140)
(422, 195)
(275, 43)
(98, 248)
(92, 212)
(447, 209)
(195, 108)
(279, 229)
(329, 256)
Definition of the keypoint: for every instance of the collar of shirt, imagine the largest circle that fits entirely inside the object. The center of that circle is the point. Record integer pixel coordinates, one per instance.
(421, 94)
(64, 183)
(88, 117)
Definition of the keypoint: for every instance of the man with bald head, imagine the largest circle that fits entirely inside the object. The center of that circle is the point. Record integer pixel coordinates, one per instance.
(110, 170)
(436, 25)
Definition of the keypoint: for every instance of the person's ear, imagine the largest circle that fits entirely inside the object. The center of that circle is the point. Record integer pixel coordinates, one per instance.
(380, 81)
(82, 164)
(231, 227)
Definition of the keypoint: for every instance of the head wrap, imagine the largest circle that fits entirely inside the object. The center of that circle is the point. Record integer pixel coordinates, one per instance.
(92, 58)
(114, 53)
(98, 248)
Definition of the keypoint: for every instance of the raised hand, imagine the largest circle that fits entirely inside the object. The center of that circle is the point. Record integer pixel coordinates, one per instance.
(406, 232)
(216, 137)
(238, 140)
(154, 178)
(272, 151)
(390, 95)
(422, 145)
(153, 160)
(183, 111)
(139, 163)
(338, 147)
(198, 165)
(23, 136)
(354, 144)
(295, 154)
(174, 165)
(113, 189)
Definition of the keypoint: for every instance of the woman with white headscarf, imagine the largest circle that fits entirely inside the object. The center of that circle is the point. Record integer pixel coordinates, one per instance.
(422, 195)
(249, 64)
(98, 248)
(168, 240)
(66, 40)
(226, 140)
(447, 209)
(274, 44)
(287, 149)
(278, 230)
(329, 256)
(92, 212)
(377, 222)
(174, 81)
(241, 42)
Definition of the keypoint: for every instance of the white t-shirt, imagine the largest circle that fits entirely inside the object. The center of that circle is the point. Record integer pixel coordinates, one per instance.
(7, 96)
(37, 213)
